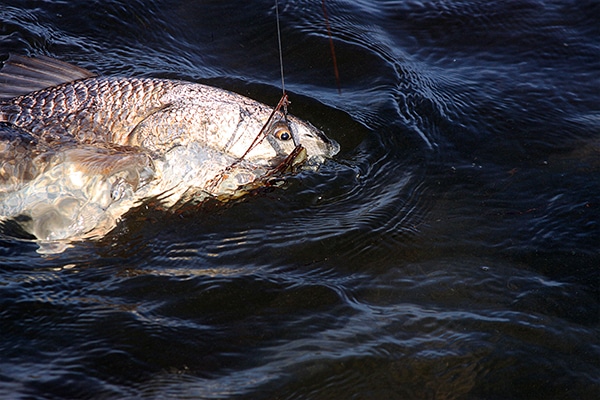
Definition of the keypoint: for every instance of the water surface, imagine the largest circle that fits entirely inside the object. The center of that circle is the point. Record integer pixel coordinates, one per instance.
(449, 251)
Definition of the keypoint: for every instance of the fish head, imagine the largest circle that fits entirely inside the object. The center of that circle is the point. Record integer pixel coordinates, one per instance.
(237, 126)
(318, 146)
(281, 137)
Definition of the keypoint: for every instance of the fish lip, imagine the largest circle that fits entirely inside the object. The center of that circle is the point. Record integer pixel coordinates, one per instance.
(331, 148)
(331, 145)
(313, 161)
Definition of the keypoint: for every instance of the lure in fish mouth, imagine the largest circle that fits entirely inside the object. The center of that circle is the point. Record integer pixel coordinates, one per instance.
(79, 150)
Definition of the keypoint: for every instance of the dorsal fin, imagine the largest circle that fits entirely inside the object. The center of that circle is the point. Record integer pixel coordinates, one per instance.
(21, 75)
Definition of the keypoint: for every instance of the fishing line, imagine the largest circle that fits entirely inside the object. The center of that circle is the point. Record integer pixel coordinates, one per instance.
(281, 107)
(331, 47)
(280, 50)
(259, 138)
(284, 98)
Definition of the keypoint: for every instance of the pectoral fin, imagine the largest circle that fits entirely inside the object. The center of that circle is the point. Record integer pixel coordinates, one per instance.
(22, 157)
(79, 192)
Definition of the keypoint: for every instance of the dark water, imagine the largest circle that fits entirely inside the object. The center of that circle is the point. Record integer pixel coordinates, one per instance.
(450, 251)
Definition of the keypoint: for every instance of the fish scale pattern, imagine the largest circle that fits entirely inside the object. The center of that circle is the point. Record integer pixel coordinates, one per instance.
(101, 109)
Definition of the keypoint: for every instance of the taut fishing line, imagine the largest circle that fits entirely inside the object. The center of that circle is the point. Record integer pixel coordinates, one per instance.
(279, 43)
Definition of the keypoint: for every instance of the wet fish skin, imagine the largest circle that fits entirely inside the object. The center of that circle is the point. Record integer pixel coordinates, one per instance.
(92, 110)
(155, 114)
(87, 150)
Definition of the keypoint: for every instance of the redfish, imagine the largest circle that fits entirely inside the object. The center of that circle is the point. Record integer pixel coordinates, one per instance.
(77, 150)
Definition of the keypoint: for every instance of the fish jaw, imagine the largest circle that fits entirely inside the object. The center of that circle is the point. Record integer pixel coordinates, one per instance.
(318, 146)
(259, 140)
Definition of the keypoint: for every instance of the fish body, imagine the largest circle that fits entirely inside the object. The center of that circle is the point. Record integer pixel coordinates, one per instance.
(78, 150)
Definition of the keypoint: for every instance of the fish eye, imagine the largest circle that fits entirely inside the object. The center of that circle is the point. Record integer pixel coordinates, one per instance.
(282, 132)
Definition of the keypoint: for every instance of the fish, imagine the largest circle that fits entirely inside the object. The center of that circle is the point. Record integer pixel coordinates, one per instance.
(78, 150)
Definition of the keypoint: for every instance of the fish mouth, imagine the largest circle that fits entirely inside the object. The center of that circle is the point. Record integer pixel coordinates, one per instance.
(327, 149)
(331, 146)
(292, 162)
(315, 152)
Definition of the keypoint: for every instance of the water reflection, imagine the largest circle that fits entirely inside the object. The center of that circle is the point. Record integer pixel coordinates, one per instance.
(450, 249)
